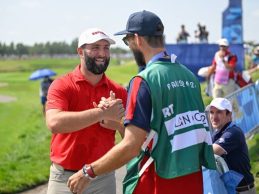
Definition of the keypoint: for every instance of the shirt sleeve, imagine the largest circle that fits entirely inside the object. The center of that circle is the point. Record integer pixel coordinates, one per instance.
(228, 140)
(123, 96)
(58, 96)
(139, 106)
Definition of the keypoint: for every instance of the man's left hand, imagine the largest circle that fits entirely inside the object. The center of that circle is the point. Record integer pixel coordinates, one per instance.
(77, 183)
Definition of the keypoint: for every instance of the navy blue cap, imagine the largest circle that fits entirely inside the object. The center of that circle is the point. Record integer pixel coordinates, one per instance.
(143, 23)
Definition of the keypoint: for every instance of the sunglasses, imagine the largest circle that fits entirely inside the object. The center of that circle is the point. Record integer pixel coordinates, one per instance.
(126, 39)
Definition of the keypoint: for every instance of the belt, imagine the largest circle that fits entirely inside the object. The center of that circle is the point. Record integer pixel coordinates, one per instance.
(61, 168)
(245, 188)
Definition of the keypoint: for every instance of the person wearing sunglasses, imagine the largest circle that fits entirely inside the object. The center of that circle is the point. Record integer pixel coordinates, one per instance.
(166, 136)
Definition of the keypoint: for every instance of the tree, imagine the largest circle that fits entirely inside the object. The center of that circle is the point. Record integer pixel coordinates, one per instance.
(21, 50)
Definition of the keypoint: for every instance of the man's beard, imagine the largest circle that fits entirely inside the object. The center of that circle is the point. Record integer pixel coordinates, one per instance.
(139, 57)
(96, 69)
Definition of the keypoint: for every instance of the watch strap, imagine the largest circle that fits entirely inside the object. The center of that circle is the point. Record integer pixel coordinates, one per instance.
(88, 172)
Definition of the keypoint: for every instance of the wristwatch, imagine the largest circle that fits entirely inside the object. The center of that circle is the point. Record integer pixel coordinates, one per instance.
(88, 172)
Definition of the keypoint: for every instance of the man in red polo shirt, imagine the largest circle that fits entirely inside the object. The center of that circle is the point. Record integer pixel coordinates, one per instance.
(81, 131)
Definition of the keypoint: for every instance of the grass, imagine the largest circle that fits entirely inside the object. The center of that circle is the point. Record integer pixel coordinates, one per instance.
(24, 138)
(253, 146)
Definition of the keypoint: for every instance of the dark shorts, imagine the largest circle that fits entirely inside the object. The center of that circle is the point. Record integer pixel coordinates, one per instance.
(43, 100)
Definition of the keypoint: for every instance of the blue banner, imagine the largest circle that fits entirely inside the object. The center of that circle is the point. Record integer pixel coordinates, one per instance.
(232, 27)
(245, 104)
(195, 56)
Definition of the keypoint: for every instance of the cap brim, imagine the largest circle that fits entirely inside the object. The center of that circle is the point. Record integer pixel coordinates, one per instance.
(110, 40)
(122, 33)
(107, 39)
(207, 108)
(217, 107)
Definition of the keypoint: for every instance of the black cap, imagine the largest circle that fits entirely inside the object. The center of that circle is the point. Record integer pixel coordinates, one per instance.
(144, 23)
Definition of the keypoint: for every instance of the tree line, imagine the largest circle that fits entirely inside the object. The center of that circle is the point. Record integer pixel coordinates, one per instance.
(48, 48)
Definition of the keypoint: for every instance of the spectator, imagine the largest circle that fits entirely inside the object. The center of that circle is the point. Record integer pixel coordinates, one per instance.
(223, 65)
(204, 35)
(81, 131)
(44, 87)
(201, 34)
(197, 33)
(182, 36)
(229, 142)
(166, 98)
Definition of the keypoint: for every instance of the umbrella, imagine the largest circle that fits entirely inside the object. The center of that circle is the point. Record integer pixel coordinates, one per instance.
(230, 178)
(41, 73)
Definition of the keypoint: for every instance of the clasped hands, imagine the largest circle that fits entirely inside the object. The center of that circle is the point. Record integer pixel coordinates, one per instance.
(112, 108)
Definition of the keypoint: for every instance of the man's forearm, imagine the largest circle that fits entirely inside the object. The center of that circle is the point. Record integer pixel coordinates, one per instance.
(217, 149)
(119, 155)
(66, 122)
(59, 121)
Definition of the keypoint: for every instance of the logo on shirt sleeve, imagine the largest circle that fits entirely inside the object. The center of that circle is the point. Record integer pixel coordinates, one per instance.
(221, 140)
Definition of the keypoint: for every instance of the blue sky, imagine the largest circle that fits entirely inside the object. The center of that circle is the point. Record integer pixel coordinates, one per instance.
(30, 21)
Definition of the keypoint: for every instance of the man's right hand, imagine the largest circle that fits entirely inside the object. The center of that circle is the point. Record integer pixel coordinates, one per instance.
(112, 108)
(115, 110)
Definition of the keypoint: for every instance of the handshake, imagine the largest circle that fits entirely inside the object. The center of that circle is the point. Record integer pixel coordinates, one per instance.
(112, 109)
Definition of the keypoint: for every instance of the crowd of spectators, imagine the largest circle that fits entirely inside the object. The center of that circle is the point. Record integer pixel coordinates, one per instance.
(201, 35)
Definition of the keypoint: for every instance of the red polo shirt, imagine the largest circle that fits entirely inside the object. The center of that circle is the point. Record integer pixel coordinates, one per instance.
(73, 92)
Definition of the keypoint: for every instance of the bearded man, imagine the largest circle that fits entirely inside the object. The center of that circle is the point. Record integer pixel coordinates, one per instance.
(167, 138)
(81, 131)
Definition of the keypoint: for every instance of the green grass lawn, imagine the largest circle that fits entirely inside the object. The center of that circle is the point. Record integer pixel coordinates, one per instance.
(24, 138)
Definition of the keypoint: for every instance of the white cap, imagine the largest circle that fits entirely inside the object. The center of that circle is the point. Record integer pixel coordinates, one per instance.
(223, 42)
(93, 35)
(221, 104)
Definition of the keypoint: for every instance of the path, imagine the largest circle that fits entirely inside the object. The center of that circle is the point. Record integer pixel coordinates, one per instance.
(3, 98)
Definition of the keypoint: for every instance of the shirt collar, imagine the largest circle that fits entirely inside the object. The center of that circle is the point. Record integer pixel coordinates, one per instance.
(225, 127)
(157, 57)
(78, 76)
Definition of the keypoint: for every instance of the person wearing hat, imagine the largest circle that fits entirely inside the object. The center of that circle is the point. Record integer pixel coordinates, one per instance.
(229, 142)
(81, 131)
(223, 66)
(164, 117)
